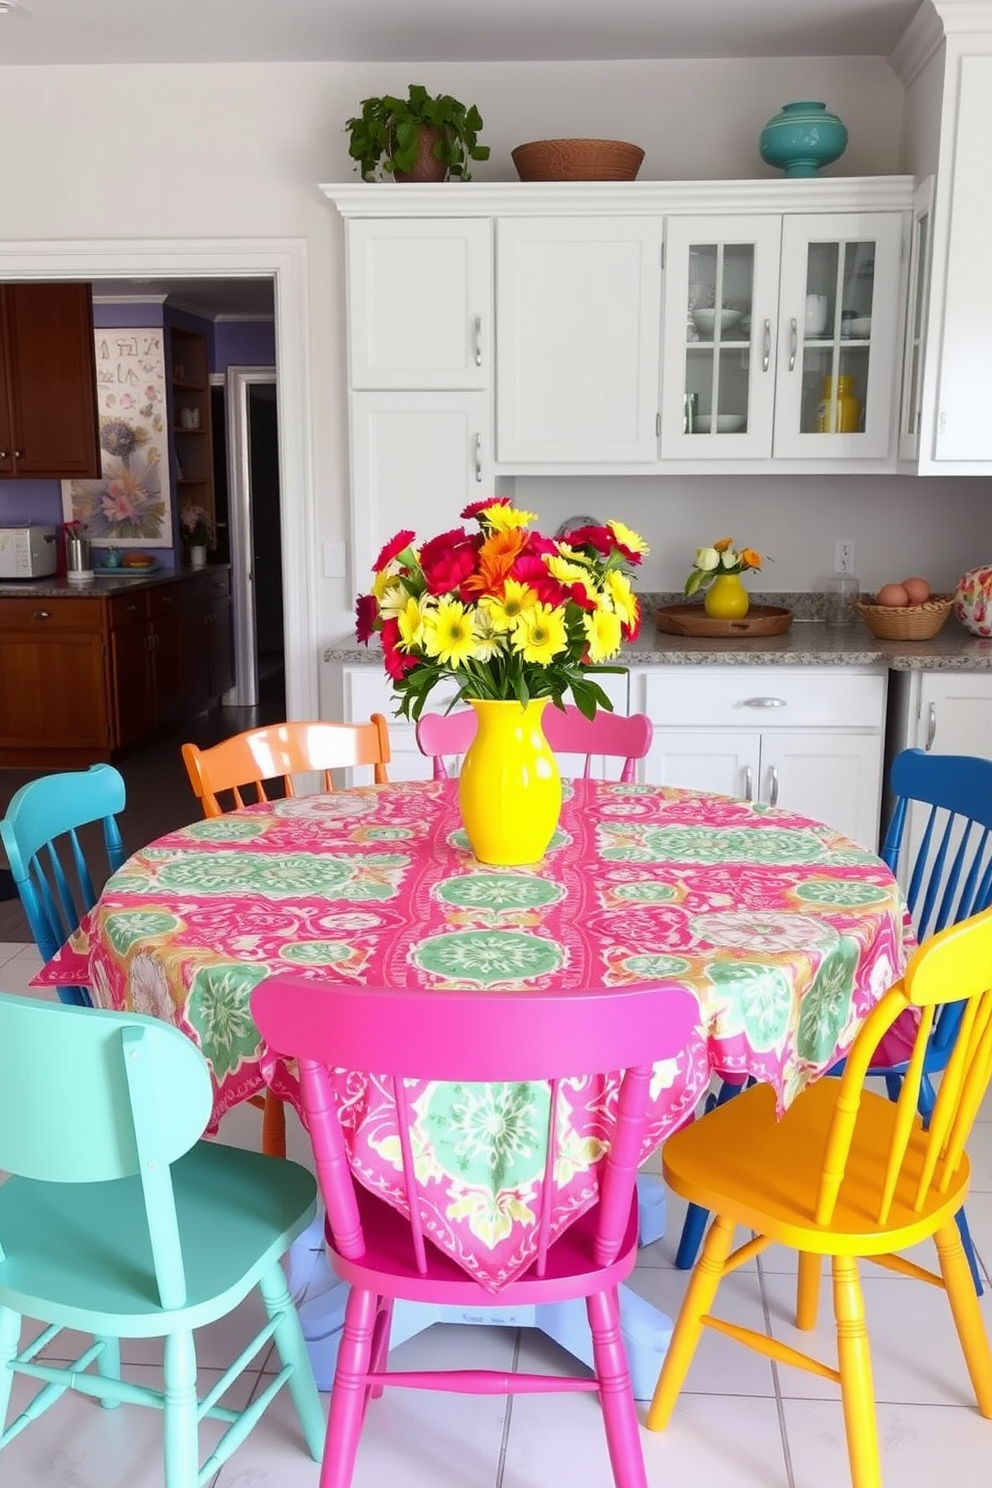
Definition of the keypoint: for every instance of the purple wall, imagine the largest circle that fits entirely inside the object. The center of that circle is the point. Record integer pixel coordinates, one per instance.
(244, 343)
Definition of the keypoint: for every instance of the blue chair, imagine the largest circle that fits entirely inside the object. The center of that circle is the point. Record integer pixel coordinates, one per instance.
(123, 1224)
(46, 857)
(949, 878)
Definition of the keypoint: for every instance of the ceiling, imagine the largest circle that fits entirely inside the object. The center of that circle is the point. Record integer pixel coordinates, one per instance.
(210, 298)
(41, 32)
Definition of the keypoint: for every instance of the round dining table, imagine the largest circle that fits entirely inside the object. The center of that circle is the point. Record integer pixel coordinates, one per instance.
(785, 932)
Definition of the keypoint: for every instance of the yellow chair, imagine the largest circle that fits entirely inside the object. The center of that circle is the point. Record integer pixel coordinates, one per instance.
(846, 1173)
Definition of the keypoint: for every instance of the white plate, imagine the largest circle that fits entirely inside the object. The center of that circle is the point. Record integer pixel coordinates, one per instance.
(704, 320)
(861, 327)
(726, 423)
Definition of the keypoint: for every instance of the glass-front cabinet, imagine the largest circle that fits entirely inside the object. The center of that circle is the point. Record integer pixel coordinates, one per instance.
(917, 306)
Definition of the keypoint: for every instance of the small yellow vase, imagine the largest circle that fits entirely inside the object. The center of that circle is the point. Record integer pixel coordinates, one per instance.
(509, 788)
(726, 598)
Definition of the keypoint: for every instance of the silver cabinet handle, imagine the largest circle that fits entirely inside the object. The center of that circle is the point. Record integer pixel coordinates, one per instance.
(42, 615)
(18, 454)
(478, 458)
(766, 355)
(478, 340)
(931, 726)
(793, 344)
(4, 454)
(764, 702)
(773, 790)
(748, 792)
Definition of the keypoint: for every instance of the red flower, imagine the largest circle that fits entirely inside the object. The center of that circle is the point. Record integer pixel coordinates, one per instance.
(632, 630)
(600, 538)
(397, 662)
(448, 560)
(394, 546)
(579, 595)
(366, 614)
(475, 507)
(530, 570)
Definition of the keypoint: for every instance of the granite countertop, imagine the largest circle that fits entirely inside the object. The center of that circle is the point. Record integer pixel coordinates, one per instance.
(108, 582)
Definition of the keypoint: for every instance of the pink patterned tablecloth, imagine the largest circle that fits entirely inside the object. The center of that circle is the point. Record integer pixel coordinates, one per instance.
(786, 933)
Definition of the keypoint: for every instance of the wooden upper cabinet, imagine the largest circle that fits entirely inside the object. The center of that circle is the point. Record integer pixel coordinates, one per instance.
(49, 427)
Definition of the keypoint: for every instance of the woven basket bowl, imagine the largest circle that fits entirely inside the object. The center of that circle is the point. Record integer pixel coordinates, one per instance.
(577, 160)
(906, 622)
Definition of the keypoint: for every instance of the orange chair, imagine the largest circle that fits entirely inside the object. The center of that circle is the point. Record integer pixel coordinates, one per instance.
(265, 754)
(847, 1173)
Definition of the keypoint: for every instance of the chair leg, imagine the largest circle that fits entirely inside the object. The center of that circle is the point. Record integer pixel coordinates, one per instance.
(688, 1325)
(807, 1290)
(691, 1238)
(856, 1385)
(380, 1342)
(344, 1421)
(292, 1349)
(108, 1364)
(273, 1126)
(182, 1448)
(10, 1332)
(966, 1313)
(969, 1250)
(615, 1391)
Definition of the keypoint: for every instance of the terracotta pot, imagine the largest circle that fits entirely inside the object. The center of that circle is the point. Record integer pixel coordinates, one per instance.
(426, 167)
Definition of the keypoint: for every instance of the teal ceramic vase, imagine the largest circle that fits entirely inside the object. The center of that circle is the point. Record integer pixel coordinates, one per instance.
(801, 138)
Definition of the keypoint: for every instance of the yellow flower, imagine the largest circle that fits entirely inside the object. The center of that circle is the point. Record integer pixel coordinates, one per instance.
(490, 639)
(540, 634)
(392, 600)
(629, 538)
(502, 517)
(574, 555)
(383, 580)
(504, 613)
(603, 634)
(411, 622)
(622, 596)
(448, 633)
(571, 573)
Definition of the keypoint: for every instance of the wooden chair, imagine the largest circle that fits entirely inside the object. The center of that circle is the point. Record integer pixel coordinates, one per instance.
(123, 1224)
(848, 1173)
(51, 871)
(280, 751)
(615, 735)
(477, 1036)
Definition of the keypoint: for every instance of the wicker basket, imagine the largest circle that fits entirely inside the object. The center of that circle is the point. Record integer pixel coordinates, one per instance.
(577, 160)
(906, 622)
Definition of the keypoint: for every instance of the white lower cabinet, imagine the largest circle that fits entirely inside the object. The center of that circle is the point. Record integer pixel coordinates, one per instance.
(809, 740)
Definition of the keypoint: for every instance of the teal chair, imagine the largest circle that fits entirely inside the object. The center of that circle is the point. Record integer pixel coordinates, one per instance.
(118, 1221)
(53, 876)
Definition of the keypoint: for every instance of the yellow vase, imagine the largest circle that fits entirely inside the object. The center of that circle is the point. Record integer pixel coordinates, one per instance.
(726, 598)
(509, 788)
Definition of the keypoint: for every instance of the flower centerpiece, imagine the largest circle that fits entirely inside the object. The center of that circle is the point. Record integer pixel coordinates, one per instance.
(717, 570)
(197, 531)
(515, 619)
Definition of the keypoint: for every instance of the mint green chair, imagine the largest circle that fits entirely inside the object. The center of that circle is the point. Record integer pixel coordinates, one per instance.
(117, 1220)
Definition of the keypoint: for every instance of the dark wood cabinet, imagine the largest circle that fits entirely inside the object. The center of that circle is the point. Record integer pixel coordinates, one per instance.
(192, 435)
(49, 425)
(53, 681)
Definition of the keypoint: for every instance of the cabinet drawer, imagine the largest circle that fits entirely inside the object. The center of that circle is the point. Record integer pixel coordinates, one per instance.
(164, 600)
(84, 615)
(128, 609)
(758, 697)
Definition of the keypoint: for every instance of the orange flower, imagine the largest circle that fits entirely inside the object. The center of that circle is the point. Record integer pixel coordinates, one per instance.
(496, 558)
(751, 557)
(724, 544)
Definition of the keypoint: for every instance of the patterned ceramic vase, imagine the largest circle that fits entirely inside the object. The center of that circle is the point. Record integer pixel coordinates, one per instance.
(973, 601)
(509, 788)
(802, 137)
(726, 598)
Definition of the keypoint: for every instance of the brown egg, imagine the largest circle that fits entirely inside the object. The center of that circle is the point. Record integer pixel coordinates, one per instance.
(918, 590)
(892, 594)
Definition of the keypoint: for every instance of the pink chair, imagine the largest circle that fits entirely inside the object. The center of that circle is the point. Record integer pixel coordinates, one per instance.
(478, 1036)
(617, 735)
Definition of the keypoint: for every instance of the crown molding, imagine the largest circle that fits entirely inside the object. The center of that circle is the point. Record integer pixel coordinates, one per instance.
(135, 299)
(920, 41)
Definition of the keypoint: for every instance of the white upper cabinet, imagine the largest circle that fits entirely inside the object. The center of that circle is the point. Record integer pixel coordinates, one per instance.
(420, 303)
(914, 337)
(578, 333)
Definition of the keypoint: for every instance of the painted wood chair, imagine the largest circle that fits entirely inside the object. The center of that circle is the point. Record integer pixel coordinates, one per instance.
(614, 735)
(948, 878)
(478, 1036)
(123, 1224)
(866, 1178)
(54, 876)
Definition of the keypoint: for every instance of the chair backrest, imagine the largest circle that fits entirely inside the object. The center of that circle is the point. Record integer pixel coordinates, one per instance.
(615, 735)
(953, 966)
(475, 1036)
(280, 751)
(88, 1096)
(53, 875)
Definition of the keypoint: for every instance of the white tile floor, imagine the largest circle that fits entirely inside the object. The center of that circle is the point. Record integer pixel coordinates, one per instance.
(741, 1422)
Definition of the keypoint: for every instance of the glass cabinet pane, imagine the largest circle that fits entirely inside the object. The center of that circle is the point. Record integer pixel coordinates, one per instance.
(718, 338)
(917, 320)
(834, 339)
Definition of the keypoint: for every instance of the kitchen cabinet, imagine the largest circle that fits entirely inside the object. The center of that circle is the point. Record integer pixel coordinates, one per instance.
(206, 644)
(809, 740)
(49, 428)
(764, 315)
(146, 659)
(578, 307)
(54, 706)
(914, 337)
(190, 411)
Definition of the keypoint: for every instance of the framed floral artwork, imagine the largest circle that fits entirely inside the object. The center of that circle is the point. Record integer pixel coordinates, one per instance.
(130, 505)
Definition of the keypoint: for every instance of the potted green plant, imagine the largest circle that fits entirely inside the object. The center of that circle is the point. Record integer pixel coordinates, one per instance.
(420, 137)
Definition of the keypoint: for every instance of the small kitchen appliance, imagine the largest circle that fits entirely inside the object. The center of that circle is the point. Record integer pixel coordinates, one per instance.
(27, 552)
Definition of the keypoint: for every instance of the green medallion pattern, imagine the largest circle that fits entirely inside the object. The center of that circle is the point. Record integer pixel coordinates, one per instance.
(126, 927)
(646, 892)
(498, 891)
(702, 845)
(286, 875)
(486, 957)
(228, 828)
(758, 1002)
(655, 967)
(826, 1007)
(489, 1136)
(316, 952)
(219, 1010)
(844, 891)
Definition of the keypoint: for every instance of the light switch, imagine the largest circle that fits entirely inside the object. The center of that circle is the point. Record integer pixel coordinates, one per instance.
(334, 560)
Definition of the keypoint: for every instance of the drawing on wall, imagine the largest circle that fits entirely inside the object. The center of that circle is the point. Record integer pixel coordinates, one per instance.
(130, 505)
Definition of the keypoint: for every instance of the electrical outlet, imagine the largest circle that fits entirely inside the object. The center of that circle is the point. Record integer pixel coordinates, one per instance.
(844, 555)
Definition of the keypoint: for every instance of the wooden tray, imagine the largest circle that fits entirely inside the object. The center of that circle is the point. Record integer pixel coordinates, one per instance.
(692, 620)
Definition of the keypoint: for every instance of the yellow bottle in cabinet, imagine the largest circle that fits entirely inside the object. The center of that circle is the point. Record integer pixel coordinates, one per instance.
(839, 411)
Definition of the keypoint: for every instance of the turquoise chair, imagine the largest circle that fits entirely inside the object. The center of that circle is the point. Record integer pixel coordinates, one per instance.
(117, 1220)
(49, 867)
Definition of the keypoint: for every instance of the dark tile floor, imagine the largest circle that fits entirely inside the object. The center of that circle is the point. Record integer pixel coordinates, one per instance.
(159, 797)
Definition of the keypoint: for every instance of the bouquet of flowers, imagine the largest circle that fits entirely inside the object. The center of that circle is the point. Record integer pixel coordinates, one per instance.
(195, 524)
(721, 558)
(504, 611)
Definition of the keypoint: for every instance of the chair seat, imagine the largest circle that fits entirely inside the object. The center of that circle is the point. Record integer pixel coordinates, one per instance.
(741, 1162)
(572, 1270)
(79, 1255)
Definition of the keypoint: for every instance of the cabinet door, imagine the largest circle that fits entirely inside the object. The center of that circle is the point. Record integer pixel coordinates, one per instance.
(131, 676)
(833, 777)
(956, 713)
(578, 329)
(167, 668)
(839, 336)
(52, 694)
(220, 647)
(416, 460)
(917, 309)
(50, 375)
(723, 760)
(420, 303)
(722, 364)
